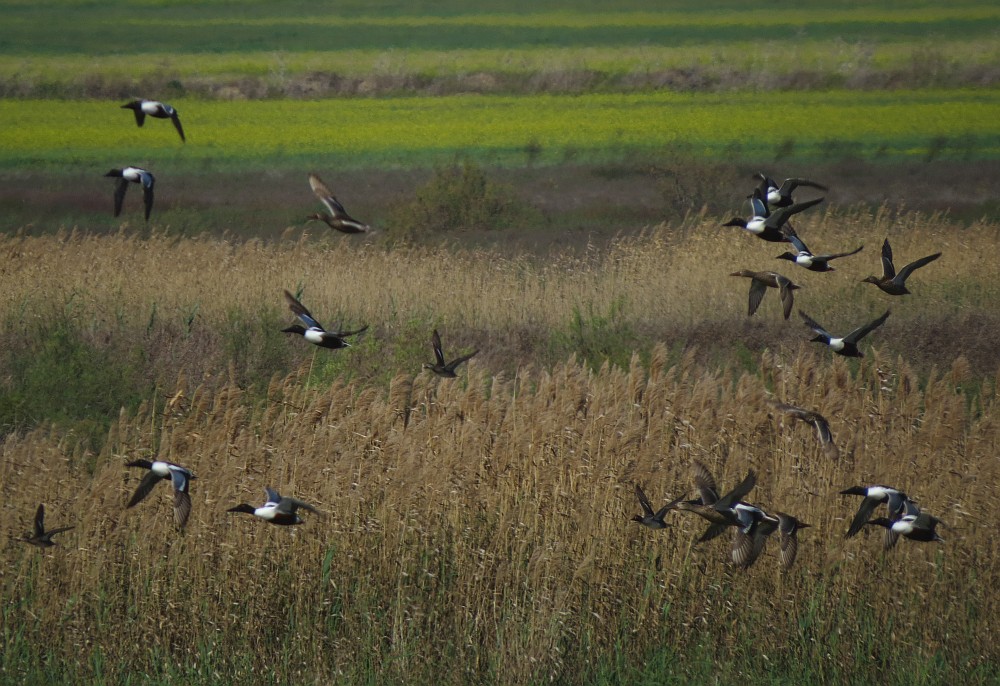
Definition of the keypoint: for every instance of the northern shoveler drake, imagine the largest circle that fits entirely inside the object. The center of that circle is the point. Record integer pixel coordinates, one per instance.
(894, 498)
(439, 367)
(277, 509)
(813, 419)
(768, 226)
(914, 525)
(41, 537)
(717, 510)
(788, 527)
(846, 345)
(338, 218)
(654, 520)
(159, 470)
(761, 281)
(781, 196)
(157, 110)
(892, 282)
(814, 263)
(133, 175)
(315, 333)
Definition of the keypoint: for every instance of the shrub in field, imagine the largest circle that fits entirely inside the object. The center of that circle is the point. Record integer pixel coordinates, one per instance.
(456, 198)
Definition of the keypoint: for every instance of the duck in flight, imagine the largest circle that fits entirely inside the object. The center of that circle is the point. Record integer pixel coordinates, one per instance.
(128, 175)
(649, 518)
(813, 419)
(873, 496)
(814, 263)
(770, 226)
(158, 110)
(279, 510)
(440, 367)
(914, 525)
(313, 331)
(781, 196)
(338, 218)
(40, 537)
(761, 281)
(845, 345)
(179, 477)
(719, 511)
(892, 282)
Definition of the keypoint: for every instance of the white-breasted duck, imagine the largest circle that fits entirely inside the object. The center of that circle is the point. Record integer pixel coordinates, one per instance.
(159, 470)
(845, 345)
(813, 419)
(440, 367)
(338, 219)
(814, 263)
(717, 510)
(277, 509)
(156, 109)
(769, 226)
(914, 525)
(40, 537)
(874, 496)
(761, 281)
(649, 518)
(781, 196)
(137, 175)
(891, 281)
(314, 332)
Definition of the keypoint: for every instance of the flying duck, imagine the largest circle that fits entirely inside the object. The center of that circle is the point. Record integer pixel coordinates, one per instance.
(781, 196)
(761, 281)
(41, 537)
(157, 110)
(846, 345)
(159, 470)
(813, 419)
(654, 520)
(440, 367)
(718, 511)
(814, 263)
(315, 333)
(788, 527)
(891, 282)
(753, 527)
(768, 226)
(133, 175)
(338, 218)
(277, 509)
(873, 497)
(915, 525)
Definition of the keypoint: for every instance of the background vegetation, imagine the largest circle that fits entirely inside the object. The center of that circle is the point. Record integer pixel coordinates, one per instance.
(547, 187)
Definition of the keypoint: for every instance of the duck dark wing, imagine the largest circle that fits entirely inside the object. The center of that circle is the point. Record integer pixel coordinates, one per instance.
(757, 291)
(863, 331)
(780, 216)
(794, 239)
(789, 549)
(177, 125)
(290, 505)
(271, 496)
(905, 272)
(647, 508)
(145, 486)
(59, 530)
(451, 366)
(140, 116)
(147, 193)
(669, 506)
(834, 256)
(818, 422)
(705, 483)
(758, 204)
(868, 506)
(341, 334)
(121, 185)
(787, 298)
(300, 311)
(436, 344)
(326, 197)
(888, 270)
(713, 531)
(740, 492)
(790, 185)
(40, 520)
(182, 508)
(812, 324)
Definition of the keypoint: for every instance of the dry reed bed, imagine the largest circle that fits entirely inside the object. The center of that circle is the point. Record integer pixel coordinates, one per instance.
(485, 527)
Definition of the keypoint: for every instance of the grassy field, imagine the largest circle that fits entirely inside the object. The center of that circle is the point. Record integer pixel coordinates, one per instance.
(477, 529)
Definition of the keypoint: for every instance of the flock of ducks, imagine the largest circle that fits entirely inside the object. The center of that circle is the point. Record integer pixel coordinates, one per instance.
(337, 219)
(772, 206)
(277, 509)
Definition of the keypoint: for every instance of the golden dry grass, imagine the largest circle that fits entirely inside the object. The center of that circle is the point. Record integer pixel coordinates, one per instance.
(478, 529)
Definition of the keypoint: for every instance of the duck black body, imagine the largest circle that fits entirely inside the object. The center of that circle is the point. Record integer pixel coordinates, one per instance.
(40, 537)
(440, 367)
(128, 175)
(156, 109)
